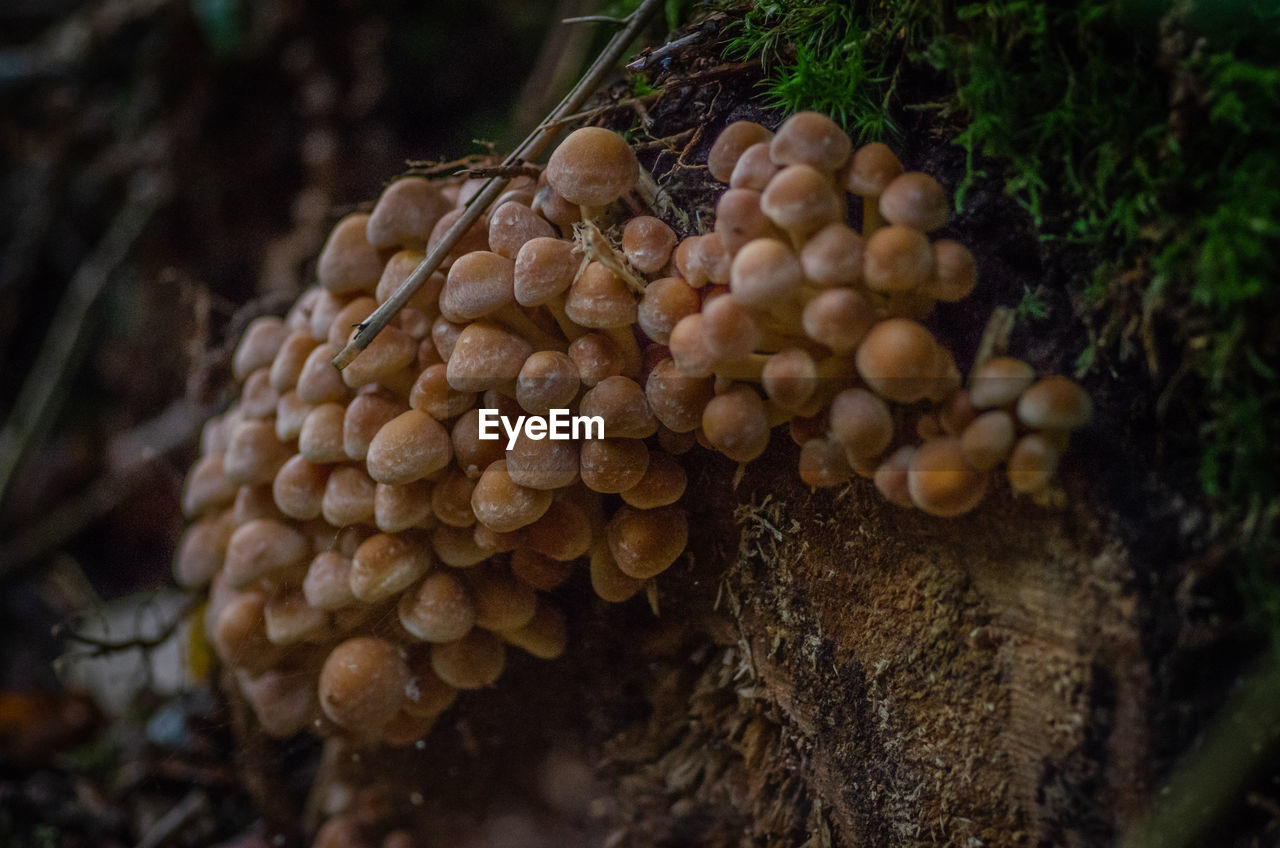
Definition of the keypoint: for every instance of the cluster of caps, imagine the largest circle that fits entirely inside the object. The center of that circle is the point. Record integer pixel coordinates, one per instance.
(803, 319)
(369, 552)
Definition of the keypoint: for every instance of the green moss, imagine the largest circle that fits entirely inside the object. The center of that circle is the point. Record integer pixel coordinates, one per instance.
(1147, 132)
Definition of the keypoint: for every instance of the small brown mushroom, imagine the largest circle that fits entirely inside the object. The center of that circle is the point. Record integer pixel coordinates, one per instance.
(871, 169)
(592, 167)
(646, 542)
(405, 213)
(501, 601)
(801, 200)
(439, 609)
(861, 421)
(999, 382)
(254, 454)
(754, 168)
(1055, 403)
(545, 636)
(898, 359)
(941, 482)
(258, 346)
(547, 380)
(321, 437)
(408, 447)
(915, 200)
(897, 259)
(730, 144)
(677, 400)
(988, 440)
(473, 662)
(486, 356)
(1033, 463)
(664, 303)
(503, 505)
(823, 463)
(262, 548)
(610, 466)
(512, 225)
(620, 401)
(813, 139)
(348, 263)
(765, 273)
(597, 357)
(364, 417)
(647, 243)
(386, 564)
(838, 318)
(362, 683)
(327, 585)
(736, 424)
(348, 497)
(299, 488)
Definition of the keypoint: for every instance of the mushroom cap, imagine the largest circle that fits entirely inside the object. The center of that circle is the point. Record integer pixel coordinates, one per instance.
(432, 394)
(838, 318)
(688, 346)
(299, 488)
(475, 238)
(897, 259)
(286, 367)
(620, 401)
(362, 683)
(610, 466)
(473, 662)
(289, 619)
(823, 463)
(348, 263)
(664, 302)
(832, 256)
(999, 381)
(988, 440)
(765, 273)
(479, 284)
(861, 421)
(254, 454)
(539, 570)
(1032, 463)
(486, 356)
(647, 243)
(202, 549)
(548, 380)
(892, 476)
(503, 505)
(608, 581)
(813, 139)
(1055, 403)
(387, 563)
(801, 200)
(407, 448)
(955, 272)
(348, 497)
(207, 487)
(397, 270)
(600, 299)
(321, 438)
(730, 144)
(319, 381)
(439, 609)
(405, 213)
(258, 346)
(898, 359)
(262, 548)
(941, 482)
(545, 636)
(451, 498)
(364, 417)
(597, 357)
(501, 601)
(291, 412)
(735, 423)
(592, 167)
(663, 483)
(790, 378)
(915, 200)
(871, 169)
(645, 542)
(512, 224)
(729, 329)
(754, 168)
(677, 400)
(472, 453)
(546, 463)
(327, 585)
(739, 219)
(564, 531)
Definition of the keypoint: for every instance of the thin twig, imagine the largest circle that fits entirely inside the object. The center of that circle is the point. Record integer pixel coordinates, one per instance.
(528, 150)
(45, 386)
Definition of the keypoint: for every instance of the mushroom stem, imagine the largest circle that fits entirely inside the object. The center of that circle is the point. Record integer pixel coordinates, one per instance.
(871, 220)
(521, 324)
(628, 348)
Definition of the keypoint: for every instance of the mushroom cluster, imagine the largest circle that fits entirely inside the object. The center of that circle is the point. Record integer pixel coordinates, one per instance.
(804, 319)
(373, 545)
